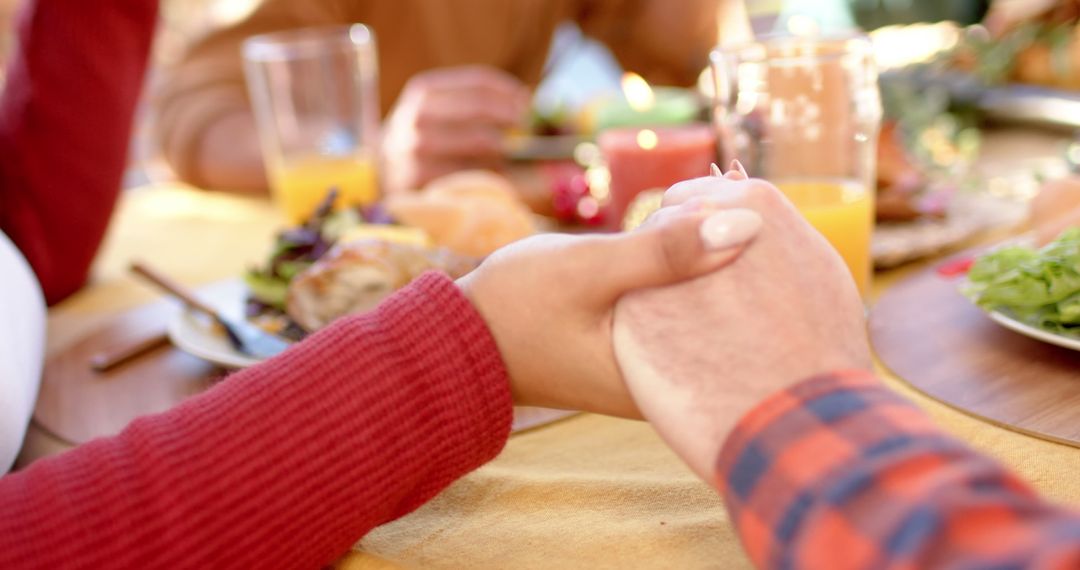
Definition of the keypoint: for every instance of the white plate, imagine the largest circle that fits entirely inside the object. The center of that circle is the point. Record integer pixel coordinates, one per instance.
(1008, 321)
(198, 337)
(1035, 333)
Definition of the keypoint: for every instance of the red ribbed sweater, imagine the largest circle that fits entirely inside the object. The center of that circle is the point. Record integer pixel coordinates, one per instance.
(65, 119)
(283, 465)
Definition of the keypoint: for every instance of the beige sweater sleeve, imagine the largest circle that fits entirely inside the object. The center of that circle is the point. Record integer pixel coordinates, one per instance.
(666, 42)
(208, 82)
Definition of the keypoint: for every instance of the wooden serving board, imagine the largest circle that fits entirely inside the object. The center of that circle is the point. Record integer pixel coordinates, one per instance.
(77, 404)
(934, 338)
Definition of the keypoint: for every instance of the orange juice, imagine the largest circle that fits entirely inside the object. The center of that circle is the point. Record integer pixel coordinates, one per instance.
(300, 185)
(844, 213)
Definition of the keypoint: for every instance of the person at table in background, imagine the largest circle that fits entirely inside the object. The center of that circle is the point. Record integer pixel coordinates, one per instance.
(65, 118)
(1037, 43)
(289, 462)
(65, 115)
(454, 77)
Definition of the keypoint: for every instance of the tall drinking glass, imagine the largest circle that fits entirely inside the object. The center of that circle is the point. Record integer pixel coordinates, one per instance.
(804, 113)
(315, 96)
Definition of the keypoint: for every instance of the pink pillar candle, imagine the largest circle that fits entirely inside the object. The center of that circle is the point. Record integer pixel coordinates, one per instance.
(646, 159)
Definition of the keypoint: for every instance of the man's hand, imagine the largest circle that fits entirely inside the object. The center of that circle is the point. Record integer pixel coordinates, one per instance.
(696, 356)
(448, 120)
(549, 300)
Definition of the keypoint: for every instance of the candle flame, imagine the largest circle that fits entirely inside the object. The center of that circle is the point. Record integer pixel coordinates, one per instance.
(637, 91)
(647, 139)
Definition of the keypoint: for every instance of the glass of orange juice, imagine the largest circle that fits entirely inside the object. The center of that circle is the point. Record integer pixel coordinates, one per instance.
(315, 96)
(804, 113)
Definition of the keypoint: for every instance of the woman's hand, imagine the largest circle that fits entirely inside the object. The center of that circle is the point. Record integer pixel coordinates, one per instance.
(549, 300)
(448, 120)
(698, 355)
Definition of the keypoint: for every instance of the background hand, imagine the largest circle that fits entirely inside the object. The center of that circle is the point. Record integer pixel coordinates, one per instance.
(696, 356)
(549, 300)
(448, 120)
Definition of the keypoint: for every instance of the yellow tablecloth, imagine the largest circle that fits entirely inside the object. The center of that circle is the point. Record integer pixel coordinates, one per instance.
(596, 492)
(590, 491)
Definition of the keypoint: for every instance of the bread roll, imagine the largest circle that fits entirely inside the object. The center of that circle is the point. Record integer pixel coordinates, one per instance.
(471, 213)
(356, 276)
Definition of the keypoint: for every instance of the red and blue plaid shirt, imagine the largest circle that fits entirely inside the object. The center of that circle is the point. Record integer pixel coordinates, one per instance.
(839, 472)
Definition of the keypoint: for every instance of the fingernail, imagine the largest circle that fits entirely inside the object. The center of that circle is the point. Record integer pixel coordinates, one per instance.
(729, 228)
(737, 166)
(715, 170)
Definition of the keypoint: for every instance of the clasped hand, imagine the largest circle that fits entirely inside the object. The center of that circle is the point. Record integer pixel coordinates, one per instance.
(723, 297)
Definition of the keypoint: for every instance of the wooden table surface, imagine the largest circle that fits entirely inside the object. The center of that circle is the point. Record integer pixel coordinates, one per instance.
(201, 237)
(925, 331)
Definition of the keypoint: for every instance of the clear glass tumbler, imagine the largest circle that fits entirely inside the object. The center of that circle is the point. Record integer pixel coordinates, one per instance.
(316, 101)
(804, 113)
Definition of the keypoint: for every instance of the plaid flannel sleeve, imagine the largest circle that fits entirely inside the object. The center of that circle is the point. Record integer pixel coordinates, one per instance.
(839, 472)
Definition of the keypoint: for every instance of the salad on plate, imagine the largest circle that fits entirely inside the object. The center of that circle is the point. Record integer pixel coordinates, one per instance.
(1039, 287)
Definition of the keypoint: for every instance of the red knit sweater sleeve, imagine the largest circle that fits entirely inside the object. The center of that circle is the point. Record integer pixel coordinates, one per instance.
(65, 118)
(283, 465)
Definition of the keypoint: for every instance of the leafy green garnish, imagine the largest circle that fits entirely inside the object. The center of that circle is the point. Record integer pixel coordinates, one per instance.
(266, 289)
(1040, 287)
(295, 249)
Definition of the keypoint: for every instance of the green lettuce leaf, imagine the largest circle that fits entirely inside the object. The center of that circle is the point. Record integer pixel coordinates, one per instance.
(267, 289)
(1040, 287)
